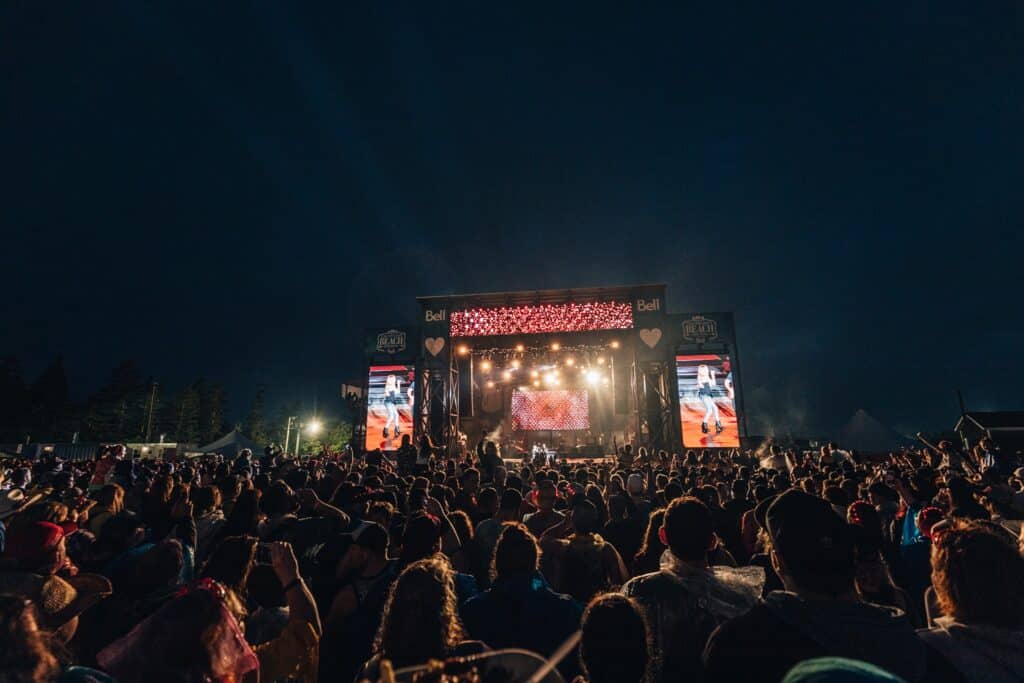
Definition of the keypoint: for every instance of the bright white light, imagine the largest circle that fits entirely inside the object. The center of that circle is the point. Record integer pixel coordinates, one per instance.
(614, 344)
(485, 366)
(519, 348)
(550, 378)
(490, 384)
(605, 381)
(314, 426)
(570, 361)
(515, 364)
(556, 346)
(593, 377)
(506, 375)
(534, 373)
(600, 360)
(463, 349)
(536, 382)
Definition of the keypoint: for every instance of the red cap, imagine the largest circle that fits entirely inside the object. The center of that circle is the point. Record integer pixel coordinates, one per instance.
(32, 541)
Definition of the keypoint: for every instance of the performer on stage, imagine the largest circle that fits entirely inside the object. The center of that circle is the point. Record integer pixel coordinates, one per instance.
(705, 392)
(392, 388)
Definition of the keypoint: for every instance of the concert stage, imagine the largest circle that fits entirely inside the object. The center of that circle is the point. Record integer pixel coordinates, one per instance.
(579, 371)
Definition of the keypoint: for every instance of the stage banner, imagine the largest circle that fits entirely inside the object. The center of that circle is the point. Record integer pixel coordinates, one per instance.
(386, 345)
(703, 330)
(435, 347)
(650, 333)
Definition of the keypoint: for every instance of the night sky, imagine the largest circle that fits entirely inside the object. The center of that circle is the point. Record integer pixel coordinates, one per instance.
(236, 190)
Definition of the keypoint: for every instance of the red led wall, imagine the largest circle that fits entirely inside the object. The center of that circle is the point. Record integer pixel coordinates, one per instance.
(572, 317)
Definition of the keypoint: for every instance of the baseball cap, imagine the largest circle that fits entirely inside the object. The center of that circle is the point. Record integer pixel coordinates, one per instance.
(808, 534)
(31, 542)
(371, 536)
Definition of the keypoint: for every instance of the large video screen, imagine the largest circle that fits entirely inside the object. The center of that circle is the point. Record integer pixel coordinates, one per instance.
(556, 410)
(707, 401)
(389, 399)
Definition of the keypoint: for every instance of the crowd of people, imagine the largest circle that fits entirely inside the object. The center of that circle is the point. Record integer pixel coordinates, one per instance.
(656, 567)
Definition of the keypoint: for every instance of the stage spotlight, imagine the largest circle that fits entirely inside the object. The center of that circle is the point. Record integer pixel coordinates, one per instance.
(570, 361)
(614, 344)
(600, 360)
(555, 346)
(593, 376)
(506, 375)
(485, 365)
(536, 382)
(515, 364)
(520, 348)
(550, 378)
(490, 384)
(604, 381)
(463, 349)
(534, 373)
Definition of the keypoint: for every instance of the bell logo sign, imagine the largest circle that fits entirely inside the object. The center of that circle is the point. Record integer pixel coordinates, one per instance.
(432, 317)
(648, 306)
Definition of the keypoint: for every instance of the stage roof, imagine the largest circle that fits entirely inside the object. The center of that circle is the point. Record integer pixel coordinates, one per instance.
(545, 296)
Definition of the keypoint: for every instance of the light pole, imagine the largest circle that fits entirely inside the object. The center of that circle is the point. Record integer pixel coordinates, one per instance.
(313, 427)
(288, 432)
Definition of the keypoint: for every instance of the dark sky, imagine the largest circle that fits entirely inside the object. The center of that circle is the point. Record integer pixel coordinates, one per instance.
(237, 189)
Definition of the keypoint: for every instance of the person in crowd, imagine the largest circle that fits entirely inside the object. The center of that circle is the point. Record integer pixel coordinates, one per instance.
(873, 580)
(109, 503)
(420, 620)
(686, 599)
(489, 530)
(546, 516)
(28, 654)
(579, 561)
(615, 641)
(648, 557)
(976, 573)
(209, 517)
(624, 530)
(520, 609)
(364, 577)
(819, 613)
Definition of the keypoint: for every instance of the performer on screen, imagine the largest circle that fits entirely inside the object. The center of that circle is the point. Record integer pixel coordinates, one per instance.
(729, 388)
(705, 392)
(392, 389)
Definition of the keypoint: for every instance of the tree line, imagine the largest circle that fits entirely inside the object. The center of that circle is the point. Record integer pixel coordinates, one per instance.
(133, 407)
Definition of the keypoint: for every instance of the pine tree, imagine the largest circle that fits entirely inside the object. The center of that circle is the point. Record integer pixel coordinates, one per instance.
(255, 428)
(187, 429)
(48, 400)
(211, 412)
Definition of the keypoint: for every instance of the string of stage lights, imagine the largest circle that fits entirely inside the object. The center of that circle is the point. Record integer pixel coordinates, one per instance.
(538, 367)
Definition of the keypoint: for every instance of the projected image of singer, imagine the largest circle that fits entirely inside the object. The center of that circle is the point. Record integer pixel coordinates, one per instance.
(706, 393)
(392, 390)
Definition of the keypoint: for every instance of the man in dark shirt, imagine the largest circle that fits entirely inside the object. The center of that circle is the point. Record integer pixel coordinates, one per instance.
(819, 613)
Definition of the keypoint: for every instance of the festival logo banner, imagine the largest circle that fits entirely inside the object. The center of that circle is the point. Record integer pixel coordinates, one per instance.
(392, 344)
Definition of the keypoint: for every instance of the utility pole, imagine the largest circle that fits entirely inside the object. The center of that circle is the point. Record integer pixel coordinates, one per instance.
(288, 433)
(152, 406)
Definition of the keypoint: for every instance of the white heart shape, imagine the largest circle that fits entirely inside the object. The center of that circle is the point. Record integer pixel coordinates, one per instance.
(650, 337)
(434, 345)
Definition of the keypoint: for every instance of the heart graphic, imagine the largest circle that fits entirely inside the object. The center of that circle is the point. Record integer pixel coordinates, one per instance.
(650, 337)
(435, 344)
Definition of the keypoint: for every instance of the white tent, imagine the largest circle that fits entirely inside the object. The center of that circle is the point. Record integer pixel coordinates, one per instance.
(865, 433)
(231, 443)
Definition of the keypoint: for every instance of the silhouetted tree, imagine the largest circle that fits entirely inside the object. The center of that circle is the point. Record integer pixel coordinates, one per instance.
(255, 428)
(14, 401)
(48, 400)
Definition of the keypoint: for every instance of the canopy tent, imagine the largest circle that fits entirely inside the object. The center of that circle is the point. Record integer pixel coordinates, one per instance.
(867, 434)
(231, 443)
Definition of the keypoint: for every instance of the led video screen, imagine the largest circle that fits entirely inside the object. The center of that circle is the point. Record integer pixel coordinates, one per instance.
(556, 410)
(389, 399)
(707, 401)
